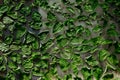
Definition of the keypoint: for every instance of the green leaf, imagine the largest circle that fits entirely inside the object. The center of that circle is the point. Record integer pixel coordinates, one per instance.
(36, 72)
(10, 76)
(85, 48)
(20, 32)
(86, 72)
(112, 32)
(36, 16)
(8, 39)
(62, 42)
(67, 53)
(94, 4)
(11, 27)
(88, 32)
(88, 8)
(25, 10)
(2, 68)
(22, 19)
(30, 38)
(2, 26)
(48, 44)
(97, 28)
(70, 9)
(78, 1)
(112, 59)
(64, 64)
(117, 48)
(43, 36)
(7, 20)
(91, 61)
(4, 47)
(82, 18)
(79, 29)
(36, 25)
(51, 16)
(26, 50)
(3, 9)
(35, 45)
(76, 41)
(108, 76)
(97, 72)
(70, 32)
(13, 15)
(27, 64)
(103, 54)
(101, 40)
(12, 65)
(58, 27)
(19, 5)
(93, 15)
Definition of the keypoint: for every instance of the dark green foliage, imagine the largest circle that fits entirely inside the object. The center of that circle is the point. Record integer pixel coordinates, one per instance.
(82, 43)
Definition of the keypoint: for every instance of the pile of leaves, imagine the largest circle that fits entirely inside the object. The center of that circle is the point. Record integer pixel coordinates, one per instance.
(76, 40)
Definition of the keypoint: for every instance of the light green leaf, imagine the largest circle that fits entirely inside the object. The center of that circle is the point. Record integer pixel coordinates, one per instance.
(103, 54)
(7, 20)
(8, 39)
(30, 38)
(26, 50)
(76, 40)
(66, 54)
(35, 45)
(12, 65)
(3, 9)
(97, 72)
(2, 26)
(43, 36)
(62, 42)
(4, 47)
(58, 27)
(97, 28)
(36, 16)
(28, 64)
(86, 72)
(112, 59)
(13, 15)
(36, 25)
(88, 8)
(51, 16)
(70, 9)
(25, 10)
(91, 61)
